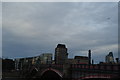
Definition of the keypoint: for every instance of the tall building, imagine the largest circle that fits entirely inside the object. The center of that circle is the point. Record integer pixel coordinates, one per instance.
(61, 54)
(109, 58)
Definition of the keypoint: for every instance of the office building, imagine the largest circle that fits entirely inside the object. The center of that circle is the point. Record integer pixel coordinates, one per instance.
(78, 60)
(46, 58)
(61, 54)
(81, 59)
(109, 58)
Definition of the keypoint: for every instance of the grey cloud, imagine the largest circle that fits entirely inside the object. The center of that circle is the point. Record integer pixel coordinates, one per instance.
(0, 29)
(34, 28)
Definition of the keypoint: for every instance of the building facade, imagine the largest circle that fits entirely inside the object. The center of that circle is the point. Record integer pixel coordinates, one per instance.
(109, 58)
(61, 54)
(27, 61)
(8, 65)
(81, 60)
(78, 60)
(46, 58)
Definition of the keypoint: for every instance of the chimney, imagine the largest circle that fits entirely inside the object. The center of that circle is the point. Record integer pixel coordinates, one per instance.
(89, 56)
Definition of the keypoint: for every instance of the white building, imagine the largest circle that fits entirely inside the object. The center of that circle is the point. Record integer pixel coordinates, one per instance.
(46, 58)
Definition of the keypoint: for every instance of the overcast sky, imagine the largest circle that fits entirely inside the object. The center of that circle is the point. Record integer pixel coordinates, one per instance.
(60, 0)
(30, 29)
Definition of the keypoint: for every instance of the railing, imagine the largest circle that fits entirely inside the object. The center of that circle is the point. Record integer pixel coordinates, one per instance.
(85, 70)
(98, 67)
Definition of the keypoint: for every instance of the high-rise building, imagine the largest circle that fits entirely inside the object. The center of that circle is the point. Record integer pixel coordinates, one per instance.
(61, 54)
(109, 58)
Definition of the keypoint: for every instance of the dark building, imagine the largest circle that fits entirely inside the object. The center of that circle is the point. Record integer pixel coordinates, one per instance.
(21, 62)
(117, 60)
(8, 65)
(61, 54)
(81, 59)
(89, 56)
(109, 58)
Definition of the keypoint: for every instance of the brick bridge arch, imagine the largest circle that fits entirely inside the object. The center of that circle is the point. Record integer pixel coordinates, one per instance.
(54, 70)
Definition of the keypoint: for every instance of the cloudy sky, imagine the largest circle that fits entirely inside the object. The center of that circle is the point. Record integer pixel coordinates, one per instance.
(30, 29)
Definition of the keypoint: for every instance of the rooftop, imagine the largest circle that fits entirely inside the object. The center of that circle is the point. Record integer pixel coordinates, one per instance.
(61, 46)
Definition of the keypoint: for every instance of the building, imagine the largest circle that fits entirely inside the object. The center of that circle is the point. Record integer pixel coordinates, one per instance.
(21, 62)
(109, 58)
(53, 61)
(89, 56)
(46, 58)
(61, 54)
(81, 59)
(117, 60)
(36, 60)
(78, 60)
(17, 64)
(8, 64)
(71, 61)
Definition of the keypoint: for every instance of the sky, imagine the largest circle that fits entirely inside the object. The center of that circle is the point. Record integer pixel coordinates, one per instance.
(30, 29)
(0, 29)
(60, 0)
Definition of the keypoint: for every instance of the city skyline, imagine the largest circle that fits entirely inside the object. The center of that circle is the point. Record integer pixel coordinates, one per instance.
(35, 28)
